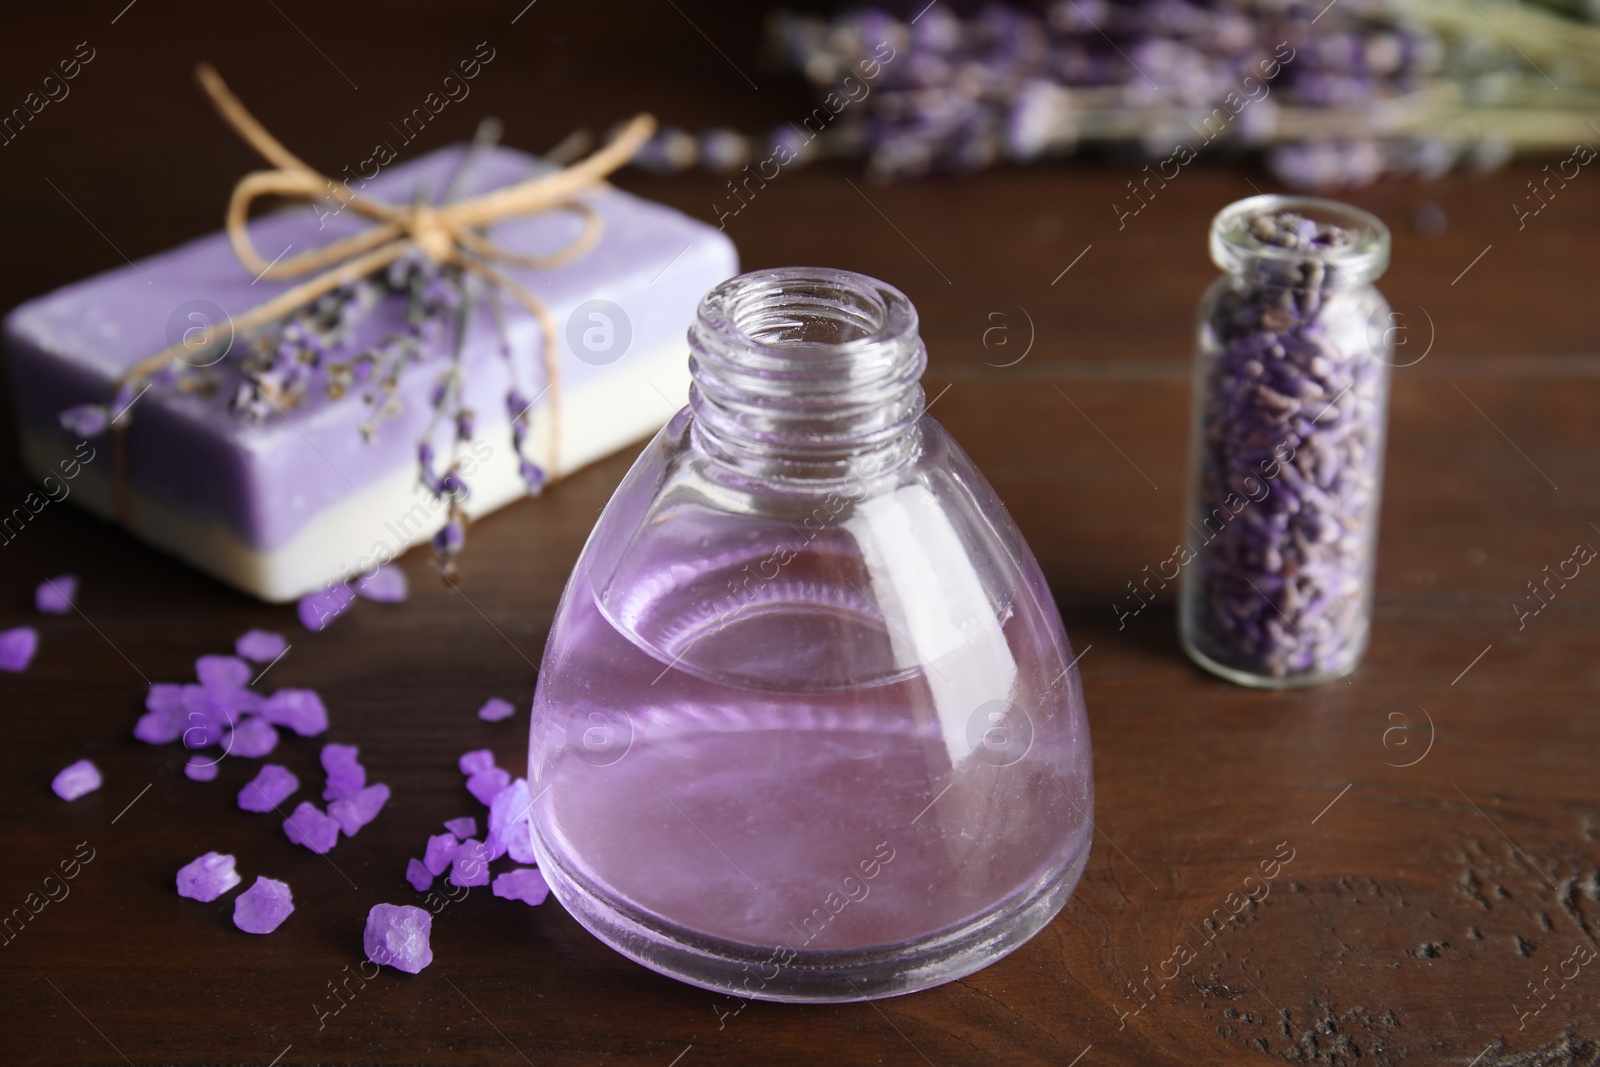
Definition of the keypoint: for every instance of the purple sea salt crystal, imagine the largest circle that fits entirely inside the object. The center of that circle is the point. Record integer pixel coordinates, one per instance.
(55, 596)
(418, 875)
(397, 935)
(207, 877)
(476, 761)
(17, 647)
(237, 702)
(76, 779)
(253, 738)
(300, 710)
(222, 673)
(86, 420)
(261, 646)
(262, 908)
(386, 585)
(308, 826)
(201, 768)
(464, 827)
(318, 609)
(440, 852)
(165, 719)
(470, 865)
(525, 884)
(355, 811)
(509, 828)
(496, 709)
(486, 785)
(346, 776)
(272, 785)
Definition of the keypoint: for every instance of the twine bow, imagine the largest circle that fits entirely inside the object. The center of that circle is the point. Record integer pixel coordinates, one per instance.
(448, 234)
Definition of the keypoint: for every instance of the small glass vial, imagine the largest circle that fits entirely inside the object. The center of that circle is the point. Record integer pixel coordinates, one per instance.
(808, 727)
(1291, 392)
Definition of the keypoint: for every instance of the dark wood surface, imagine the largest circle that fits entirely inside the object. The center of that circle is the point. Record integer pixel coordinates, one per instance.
(1421, 901)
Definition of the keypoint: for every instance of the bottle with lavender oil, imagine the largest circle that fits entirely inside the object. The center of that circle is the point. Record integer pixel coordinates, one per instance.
(808, 727)
(1290, 398)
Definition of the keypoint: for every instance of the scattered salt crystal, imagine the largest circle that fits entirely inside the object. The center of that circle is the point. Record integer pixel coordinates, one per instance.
(238, 702)
(486, 785)
(496, 709)
(318, 609)
(346, 776)
(300, 710)
(510, 829)
(251, 739)
(440, 851)
(86, 420)
(76, 779)
(387, 585)
(200, 768)
(222, 672)
(418, 875)
(262, 908)
(207, 878)
(476, 761)
(161, 725)
(464, 827)
(524, 884)
(164, 696)
(397, 935)
(308, 826)
(355, 811)
(272, 785)
(262, 646)
(17, 648)
(55, 596)
(470, 865)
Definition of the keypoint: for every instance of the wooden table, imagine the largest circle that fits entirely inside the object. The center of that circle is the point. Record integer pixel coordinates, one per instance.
(1442, 805)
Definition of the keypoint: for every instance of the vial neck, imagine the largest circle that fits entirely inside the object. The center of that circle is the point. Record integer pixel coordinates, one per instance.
(806, 376)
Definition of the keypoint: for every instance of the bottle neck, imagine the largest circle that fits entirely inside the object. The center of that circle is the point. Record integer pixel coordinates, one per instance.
(1299, 243)
(806, 376)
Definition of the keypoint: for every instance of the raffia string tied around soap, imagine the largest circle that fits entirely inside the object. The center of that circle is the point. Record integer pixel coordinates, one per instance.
(448, 234)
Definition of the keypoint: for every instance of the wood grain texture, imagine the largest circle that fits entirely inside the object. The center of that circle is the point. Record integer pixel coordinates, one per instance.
(1421, 900)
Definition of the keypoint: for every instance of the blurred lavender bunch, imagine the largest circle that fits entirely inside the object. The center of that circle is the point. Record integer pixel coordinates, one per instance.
(1371, 86)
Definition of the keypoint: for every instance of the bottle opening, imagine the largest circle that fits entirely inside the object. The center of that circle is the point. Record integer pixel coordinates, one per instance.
(803, 372)
(1300, 241)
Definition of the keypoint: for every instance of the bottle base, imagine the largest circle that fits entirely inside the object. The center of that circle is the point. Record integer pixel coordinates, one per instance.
(786, 974)
(1267, 681)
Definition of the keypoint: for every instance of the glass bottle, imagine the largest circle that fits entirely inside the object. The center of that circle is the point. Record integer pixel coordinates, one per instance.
(808, 727)
(1291, 390)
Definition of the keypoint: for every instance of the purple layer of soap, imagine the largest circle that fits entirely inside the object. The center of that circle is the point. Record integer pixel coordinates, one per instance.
(207, 877)
(272, 785)
(397, 935)
(76, 779)
(262, 908)
(197, 466)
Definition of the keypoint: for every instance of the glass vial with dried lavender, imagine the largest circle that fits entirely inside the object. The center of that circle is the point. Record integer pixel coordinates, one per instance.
(1291, 394)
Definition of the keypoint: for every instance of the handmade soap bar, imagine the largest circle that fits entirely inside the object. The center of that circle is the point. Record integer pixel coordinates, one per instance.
(284, 499)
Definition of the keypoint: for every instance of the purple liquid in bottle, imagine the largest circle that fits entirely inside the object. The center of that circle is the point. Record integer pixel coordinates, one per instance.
(807, 726)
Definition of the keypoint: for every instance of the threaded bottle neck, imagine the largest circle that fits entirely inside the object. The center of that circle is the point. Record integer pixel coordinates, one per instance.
(806, 374)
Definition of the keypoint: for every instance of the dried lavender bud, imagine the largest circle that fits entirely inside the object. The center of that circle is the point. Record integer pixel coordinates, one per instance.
(1290, 434)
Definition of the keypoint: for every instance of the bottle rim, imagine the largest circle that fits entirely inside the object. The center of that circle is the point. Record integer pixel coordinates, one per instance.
(1236, 249)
